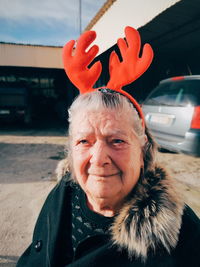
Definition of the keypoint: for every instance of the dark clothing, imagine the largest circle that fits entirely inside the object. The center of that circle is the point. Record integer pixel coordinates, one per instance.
(127, 244)
(85, 223)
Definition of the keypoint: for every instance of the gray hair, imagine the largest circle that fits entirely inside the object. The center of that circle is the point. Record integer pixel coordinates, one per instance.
(108, 99)
(105, 99)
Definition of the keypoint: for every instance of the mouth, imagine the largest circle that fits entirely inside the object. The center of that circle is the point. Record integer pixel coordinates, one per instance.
(105, 175)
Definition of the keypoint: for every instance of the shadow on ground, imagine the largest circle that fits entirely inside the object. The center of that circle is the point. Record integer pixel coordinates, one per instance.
(8, 261)
(22, 163)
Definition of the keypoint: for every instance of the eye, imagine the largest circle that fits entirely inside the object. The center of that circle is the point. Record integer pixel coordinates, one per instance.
(117, 141)
(84, 141)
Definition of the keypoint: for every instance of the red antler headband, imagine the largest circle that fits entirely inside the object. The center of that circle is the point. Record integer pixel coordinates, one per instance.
(121, 73)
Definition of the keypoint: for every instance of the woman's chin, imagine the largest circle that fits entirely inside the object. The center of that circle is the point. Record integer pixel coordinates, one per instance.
(104, 192)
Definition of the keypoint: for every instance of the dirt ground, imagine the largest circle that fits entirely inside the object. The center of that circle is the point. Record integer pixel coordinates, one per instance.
(28, 159)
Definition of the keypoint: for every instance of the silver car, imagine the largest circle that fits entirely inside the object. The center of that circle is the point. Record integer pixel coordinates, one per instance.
(172, 112)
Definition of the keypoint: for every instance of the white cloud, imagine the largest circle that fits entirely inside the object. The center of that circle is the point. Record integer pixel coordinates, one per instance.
(44, 21)
(36, 8)
(48, 10)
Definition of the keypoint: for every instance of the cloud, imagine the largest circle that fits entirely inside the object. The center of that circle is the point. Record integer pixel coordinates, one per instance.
(45, 8)
(48, 11)
(41, 21)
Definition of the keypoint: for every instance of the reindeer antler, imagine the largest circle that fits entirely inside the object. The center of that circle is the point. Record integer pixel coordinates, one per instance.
(76, 66)
(121, 73)
(132, 66)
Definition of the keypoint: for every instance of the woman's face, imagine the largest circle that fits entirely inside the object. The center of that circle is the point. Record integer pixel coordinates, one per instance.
(106, 154)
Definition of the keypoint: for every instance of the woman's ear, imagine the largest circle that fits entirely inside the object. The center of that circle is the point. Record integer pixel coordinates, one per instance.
(145, 139)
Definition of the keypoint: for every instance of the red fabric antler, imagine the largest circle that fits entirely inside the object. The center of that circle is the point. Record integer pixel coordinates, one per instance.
(121, 73)
(76, 66)
(132, 66)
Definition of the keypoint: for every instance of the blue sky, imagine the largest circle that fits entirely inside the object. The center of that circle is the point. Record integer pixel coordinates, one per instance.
(45, 22)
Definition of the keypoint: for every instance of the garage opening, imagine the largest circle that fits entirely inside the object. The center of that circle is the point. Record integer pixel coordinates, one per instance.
(34, 97)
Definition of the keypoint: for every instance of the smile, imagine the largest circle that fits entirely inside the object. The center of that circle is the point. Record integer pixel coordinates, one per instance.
(105, 175)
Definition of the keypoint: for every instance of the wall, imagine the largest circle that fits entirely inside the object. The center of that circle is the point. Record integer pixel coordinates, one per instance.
(30, 56)
(135, 13)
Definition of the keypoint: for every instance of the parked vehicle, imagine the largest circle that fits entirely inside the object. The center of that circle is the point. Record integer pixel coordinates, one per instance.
(14, 103)
(172, 112)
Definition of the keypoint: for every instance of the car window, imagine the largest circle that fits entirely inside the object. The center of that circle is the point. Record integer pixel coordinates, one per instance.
(177, 93)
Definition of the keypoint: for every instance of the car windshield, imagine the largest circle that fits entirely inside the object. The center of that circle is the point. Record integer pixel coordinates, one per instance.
(176, 93)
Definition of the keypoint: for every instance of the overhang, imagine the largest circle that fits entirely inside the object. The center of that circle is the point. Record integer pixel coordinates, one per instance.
(176, 31)
(110, 21)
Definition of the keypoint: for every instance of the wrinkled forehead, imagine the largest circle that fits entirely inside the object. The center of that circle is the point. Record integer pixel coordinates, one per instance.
(102, 114)
(102, 121)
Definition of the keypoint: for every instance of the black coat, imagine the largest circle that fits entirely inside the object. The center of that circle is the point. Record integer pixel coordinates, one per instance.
(159, 239)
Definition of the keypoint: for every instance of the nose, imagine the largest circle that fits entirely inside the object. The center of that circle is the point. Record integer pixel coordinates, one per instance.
(100, 154)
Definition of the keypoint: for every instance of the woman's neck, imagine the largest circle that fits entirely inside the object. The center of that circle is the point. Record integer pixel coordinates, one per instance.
(102, 207)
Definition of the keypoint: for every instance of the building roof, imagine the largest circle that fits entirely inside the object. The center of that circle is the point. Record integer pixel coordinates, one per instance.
(114, 16)
(35, 45)
(99, 14)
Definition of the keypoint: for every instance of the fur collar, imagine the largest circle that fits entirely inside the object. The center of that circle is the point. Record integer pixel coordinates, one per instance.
(150, 218)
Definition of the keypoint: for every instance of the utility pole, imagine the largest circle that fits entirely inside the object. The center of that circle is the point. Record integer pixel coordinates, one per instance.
(80, 16)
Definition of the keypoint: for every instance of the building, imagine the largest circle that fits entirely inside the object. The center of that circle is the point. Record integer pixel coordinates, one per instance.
(40, 69)
(172, 28)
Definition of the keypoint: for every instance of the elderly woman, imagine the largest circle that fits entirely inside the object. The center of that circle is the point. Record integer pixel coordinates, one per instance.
(113, 206)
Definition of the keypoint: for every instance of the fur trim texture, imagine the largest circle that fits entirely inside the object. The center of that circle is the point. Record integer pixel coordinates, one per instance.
(151, 218)
(61, 169)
